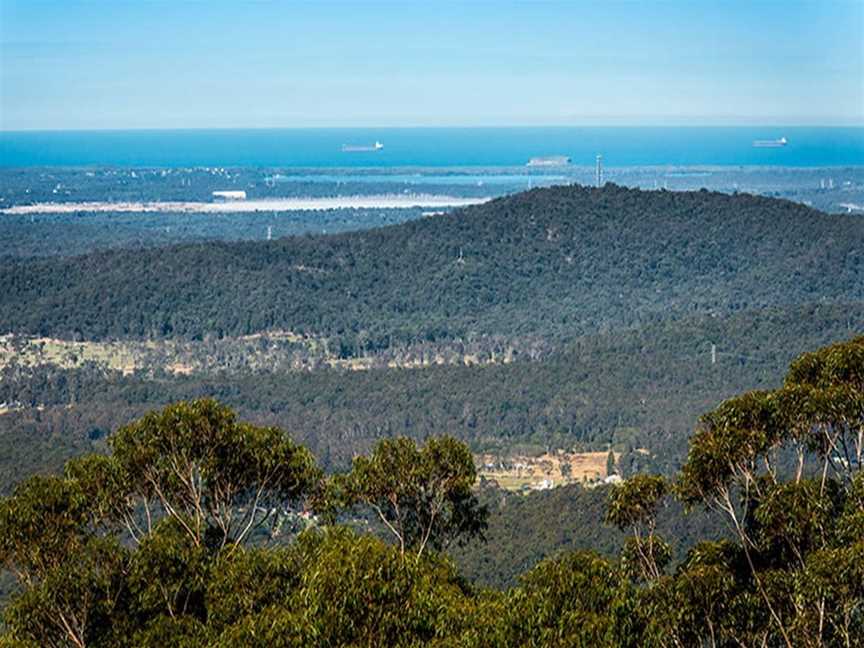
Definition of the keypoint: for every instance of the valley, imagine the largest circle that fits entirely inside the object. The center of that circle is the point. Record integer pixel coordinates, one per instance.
(570, 319)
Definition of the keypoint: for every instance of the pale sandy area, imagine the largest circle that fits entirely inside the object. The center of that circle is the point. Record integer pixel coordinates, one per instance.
(276, 204)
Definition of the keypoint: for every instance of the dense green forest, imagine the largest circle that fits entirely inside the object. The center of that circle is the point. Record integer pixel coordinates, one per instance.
(40, 235)
(523, 530)
(560, 262)
(631, 389)
(608, 301)
(197, 529)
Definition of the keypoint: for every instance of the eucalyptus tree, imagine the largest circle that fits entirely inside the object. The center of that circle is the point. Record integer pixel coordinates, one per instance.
(633, 505)
(423, 496)
(71, 573)
(574, 600)
(790, 522)
(188, 485)
(218, 478)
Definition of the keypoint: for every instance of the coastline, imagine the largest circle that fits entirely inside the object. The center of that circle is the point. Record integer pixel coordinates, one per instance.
(243, 206)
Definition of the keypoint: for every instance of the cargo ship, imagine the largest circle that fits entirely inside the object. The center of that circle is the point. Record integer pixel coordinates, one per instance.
(770, 143)
(362, 148)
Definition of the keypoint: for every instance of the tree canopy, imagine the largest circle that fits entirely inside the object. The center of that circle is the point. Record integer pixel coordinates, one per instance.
(148, 545)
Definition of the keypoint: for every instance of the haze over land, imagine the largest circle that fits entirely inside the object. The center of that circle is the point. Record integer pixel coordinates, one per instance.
(540, 289)
(433, 324)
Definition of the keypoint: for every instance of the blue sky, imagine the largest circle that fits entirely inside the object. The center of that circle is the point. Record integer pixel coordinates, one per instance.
(68, 64)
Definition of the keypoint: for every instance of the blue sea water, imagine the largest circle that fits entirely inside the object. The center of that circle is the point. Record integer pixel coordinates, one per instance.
(434, 147)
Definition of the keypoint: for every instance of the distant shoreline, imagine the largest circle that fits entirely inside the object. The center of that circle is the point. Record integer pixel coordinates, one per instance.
(245, 206)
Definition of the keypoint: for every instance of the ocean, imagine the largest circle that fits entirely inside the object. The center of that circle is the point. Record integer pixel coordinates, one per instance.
(434, 147)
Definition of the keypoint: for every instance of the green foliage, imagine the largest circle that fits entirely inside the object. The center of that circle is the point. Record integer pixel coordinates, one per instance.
(635, 501)
(645, 558)
(356, 590)
(833, 580)
(526, 529)
(850, 525)
(78, 601)
(791, 574)
(103, 484)
(610, 463)
(639, 388)
(245, 582)
(577, 600)
(422, 495)
(793, 519)
(634, 504)
(71, 578)
(182, 632)
(201, 466)
(168, 574)
(349, 590)
(789, 528)
(46, 520)
(707, 602)
(553, 262)
(731, 439)
(838, 364)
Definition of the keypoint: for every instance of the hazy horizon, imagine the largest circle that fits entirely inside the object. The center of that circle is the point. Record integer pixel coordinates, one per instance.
(100, 65)
(385, 127)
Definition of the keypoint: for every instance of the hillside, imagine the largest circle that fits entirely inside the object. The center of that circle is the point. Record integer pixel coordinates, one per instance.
(622, 291)
(558, 262)
(610, 301)
(639, 388)
(525, 529)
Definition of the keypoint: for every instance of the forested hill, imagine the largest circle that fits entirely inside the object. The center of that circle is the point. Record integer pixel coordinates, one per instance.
(555, 261)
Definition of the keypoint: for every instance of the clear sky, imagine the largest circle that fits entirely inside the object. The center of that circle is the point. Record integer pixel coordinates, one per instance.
(220, 63)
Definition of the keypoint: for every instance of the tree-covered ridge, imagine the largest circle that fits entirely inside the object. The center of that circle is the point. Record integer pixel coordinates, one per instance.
(556, 261)
(136, 547)
(632, 389)
(80, 233)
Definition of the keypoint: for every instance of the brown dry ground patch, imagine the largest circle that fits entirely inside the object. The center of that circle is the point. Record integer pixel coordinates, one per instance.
(520, 471)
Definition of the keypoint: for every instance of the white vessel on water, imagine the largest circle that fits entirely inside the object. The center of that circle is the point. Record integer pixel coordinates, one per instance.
(770, 143)
(362, 148)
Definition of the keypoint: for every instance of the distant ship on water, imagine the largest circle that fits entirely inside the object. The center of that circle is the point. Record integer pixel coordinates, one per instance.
(778, 143)
(362, 148)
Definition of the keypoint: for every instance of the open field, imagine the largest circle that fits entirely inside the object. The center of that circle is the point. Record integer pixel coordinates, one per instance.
(270, 351)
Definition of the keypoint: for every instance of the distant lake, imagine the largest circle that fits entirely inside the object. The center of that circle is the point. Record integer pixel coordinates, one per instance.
(434, 147)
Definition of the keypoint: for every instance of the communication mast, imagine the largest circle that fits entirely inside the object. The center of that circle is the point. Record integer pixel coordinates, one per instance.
(599, 172)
